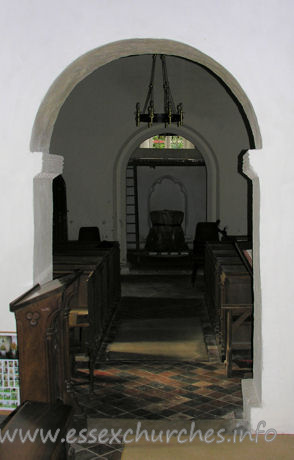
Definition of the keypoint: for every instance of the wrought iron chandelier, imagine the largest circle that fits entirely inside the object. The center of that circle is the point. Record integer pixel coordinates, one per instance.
(171, 114)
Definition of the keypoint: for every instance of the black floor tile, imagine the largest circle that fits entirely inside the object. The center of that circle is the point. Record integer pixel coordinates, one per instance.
(127, 389)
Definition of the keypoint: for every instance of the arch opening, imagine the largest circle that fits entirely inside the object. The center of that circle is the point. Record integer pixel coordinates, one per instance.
(209, 178)
(87, 63)
(84, 67)
(166, 172)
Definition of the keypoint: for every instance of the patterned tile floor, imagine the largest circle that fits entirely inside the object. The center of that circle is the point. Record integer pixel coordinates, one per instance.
(153, 390)
(171, 391)
(158, 391)
(94, 451)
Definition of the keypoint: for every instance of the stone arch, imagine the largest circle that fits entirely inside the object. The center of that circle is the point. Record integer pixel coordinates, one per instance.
(87, 63)
(52, 164)
(119, 179)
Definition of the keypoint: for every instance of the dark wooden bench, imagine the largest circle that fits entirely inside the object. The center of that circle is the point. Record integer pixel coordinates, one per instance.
(229, 295)
(212, 252)
(63, 265)
(108, 249)
(220, 260)
(30, 416)
(95, 280)
(235, 313)
(238, 327)
(99, 292)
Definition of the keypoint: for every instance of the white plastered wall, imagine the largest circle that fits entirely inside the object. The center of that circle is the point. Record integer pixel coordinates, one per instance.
(254, 41)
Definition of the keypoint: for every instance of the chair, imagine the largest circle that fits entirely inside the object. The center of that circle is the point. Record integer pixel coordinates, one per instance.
(89, 234)
(79, 326)
(85, 326)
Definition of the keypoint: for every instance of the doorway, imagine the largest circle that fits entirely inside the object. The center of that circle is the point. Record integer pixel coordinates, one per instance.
(111, 218)
(169, 177)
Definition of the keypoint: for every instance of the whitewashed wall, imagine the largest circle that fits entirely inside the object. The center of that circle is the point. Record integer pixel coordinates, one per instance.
(252, 40)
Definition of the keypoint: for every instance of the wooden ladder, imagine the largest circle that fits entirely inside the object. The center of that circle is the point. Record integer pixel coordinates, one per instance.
(132, 212)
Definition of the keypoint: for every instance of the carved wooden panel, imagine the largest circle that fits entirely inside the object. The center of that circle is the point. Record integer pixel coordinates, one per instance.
(42, 330)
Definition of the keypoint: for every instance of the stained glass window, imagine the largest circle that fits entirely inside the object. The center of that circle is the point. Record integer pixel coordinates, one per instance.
(167, 142)
(176, 142)
(159, 142)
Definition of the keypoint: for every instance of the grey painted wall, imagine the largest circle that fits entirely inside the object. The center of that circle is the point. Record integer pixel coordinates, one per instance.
(98, 118)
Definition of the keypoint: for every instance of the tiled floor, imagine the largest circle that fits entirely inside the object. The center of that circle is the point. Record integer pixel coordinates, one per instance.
(94, 451)
(170, 391)
(158, 390)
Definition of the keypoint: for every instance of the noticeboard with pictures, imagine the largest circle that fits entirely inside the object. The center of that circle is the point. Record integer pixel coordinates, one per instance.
(9, 373)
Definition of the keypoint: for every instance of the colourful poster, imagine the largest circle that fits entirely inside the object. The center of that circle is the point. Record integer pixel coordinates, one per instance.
(9, 374)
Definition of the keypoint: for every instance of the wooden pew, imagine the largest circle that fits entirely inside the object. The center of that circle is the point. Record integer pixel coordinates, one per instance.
(99, 283)
(235, 315)
(238, 331)
(103, 249)
(32, 415)
(229, 295)
(212, 252)
(223, 249)
(99, 292)
(86, 265)
(220, 261)
(215, 287)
